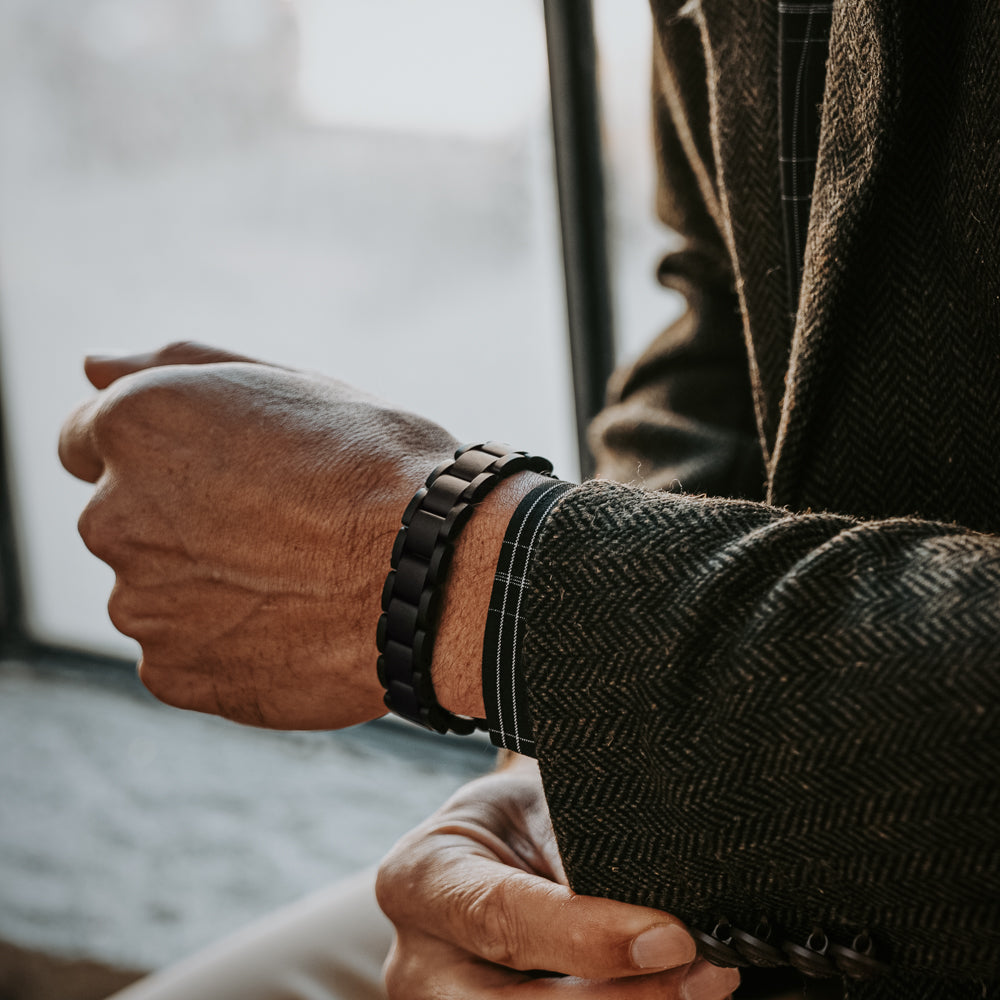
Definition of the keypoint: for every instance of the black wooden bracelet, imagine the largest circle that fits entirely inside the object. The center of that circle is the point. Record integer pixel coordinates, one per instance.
(413, 591)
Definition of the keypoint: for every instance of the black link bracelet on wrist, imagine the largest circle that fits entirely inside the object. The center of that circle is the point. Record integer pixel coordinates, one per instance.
(421, 556)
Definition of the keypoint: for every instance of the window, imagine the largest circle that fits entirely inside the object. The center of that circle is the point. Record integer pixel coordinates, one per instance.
(363, 189)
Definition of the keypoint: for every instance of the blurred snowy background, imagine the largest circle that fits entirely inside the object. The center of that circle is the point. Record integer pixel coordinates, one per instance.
(359, 188)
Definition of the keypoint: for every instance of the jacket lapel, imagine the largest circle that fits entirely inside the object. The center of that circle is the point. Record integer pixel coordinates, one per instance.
(858, 110)
(740, 45)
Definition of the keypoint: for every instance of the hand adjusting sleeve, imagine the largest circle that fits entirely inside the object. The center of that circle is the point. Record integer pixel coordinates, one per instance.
(413, 591)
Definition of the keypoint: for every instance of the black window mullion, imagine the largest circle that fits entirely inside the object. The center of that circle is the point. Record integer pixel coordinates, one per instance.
(569, 33)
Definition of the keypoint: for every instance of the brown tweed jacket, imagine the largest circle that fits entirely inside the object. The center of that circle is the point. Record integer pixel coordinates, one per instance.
(749, 708)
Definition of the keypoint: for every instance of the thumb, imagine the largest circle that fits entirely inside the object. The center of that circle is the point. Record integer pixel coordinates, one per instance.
(103, 369)
(522, 921)
(526, 922)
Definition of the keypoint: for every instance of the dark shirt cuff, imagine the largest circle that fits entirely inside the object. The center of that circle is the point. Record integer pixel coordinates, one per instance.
(507, 712)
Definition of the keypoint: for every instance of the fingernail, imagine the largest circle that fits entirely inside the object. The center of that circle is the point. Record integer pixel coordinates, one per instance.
(709, 982)
(662, 947)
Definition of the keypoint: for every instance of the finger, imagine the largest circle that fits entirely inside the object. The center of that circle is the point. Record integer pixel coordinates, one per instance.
(420, 967)
(699, 982)
(103, 369)
(521, 921)
(78, 449)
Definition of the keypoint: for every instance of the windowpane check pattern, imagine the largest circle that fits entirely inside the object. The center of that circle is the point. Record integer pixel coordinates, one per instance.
(803, 44)
(510, 723)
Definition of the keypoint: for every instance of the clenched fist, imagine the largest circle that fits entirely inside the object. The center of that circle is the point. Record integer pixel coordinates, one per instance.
(248, 512)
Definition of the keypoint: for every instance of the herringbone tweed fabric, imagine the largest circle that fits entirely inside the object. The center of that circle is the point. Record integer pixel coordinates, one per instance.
(746, 710)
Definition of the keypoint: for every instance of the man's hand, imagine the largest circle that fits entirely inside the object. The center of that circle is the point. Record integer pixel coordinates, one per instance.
(478, 898)
(248, 512)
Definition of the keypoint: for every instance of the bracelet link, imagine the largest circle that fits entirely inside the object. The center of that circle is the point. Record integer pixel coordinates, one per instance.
(421, 557)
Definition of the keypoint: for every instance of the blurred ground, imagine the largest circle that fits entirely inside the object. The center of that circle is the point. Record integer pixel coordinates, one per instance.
(26, 974)
(132, 833)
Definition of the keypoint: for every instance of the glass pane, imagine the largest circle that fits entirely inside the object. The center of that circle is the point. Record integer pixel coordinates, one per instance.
(636, 238)
(363, 189)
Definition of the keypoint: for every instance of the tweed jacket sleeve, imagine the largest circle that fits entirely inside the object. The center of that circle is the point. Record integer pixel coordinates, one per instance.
(745, 710)
(741, 712)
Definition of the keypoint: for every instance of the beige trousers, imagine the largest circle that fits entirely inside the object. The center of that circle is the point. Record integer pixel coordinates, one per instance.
(328, 946)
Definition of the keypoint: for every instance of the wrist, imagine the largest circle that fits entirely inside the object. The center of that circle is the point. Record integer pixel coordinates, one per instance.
(457, 666)
(416, 588)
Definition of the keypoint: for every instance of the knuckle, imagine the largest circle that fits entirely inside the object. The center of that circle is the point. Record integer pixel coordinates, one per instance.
(398, 973)
(394, 982)
(122, 403)
(157, 683)
(580, 943)
(414, 970)
(493, 912)
(99, 532)
(137, 613)
(125, 408)
(123, 612)
(167, 683)
(140, 413)
(180, 350)
(387, 885)
(404, 880)
(192, 352)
